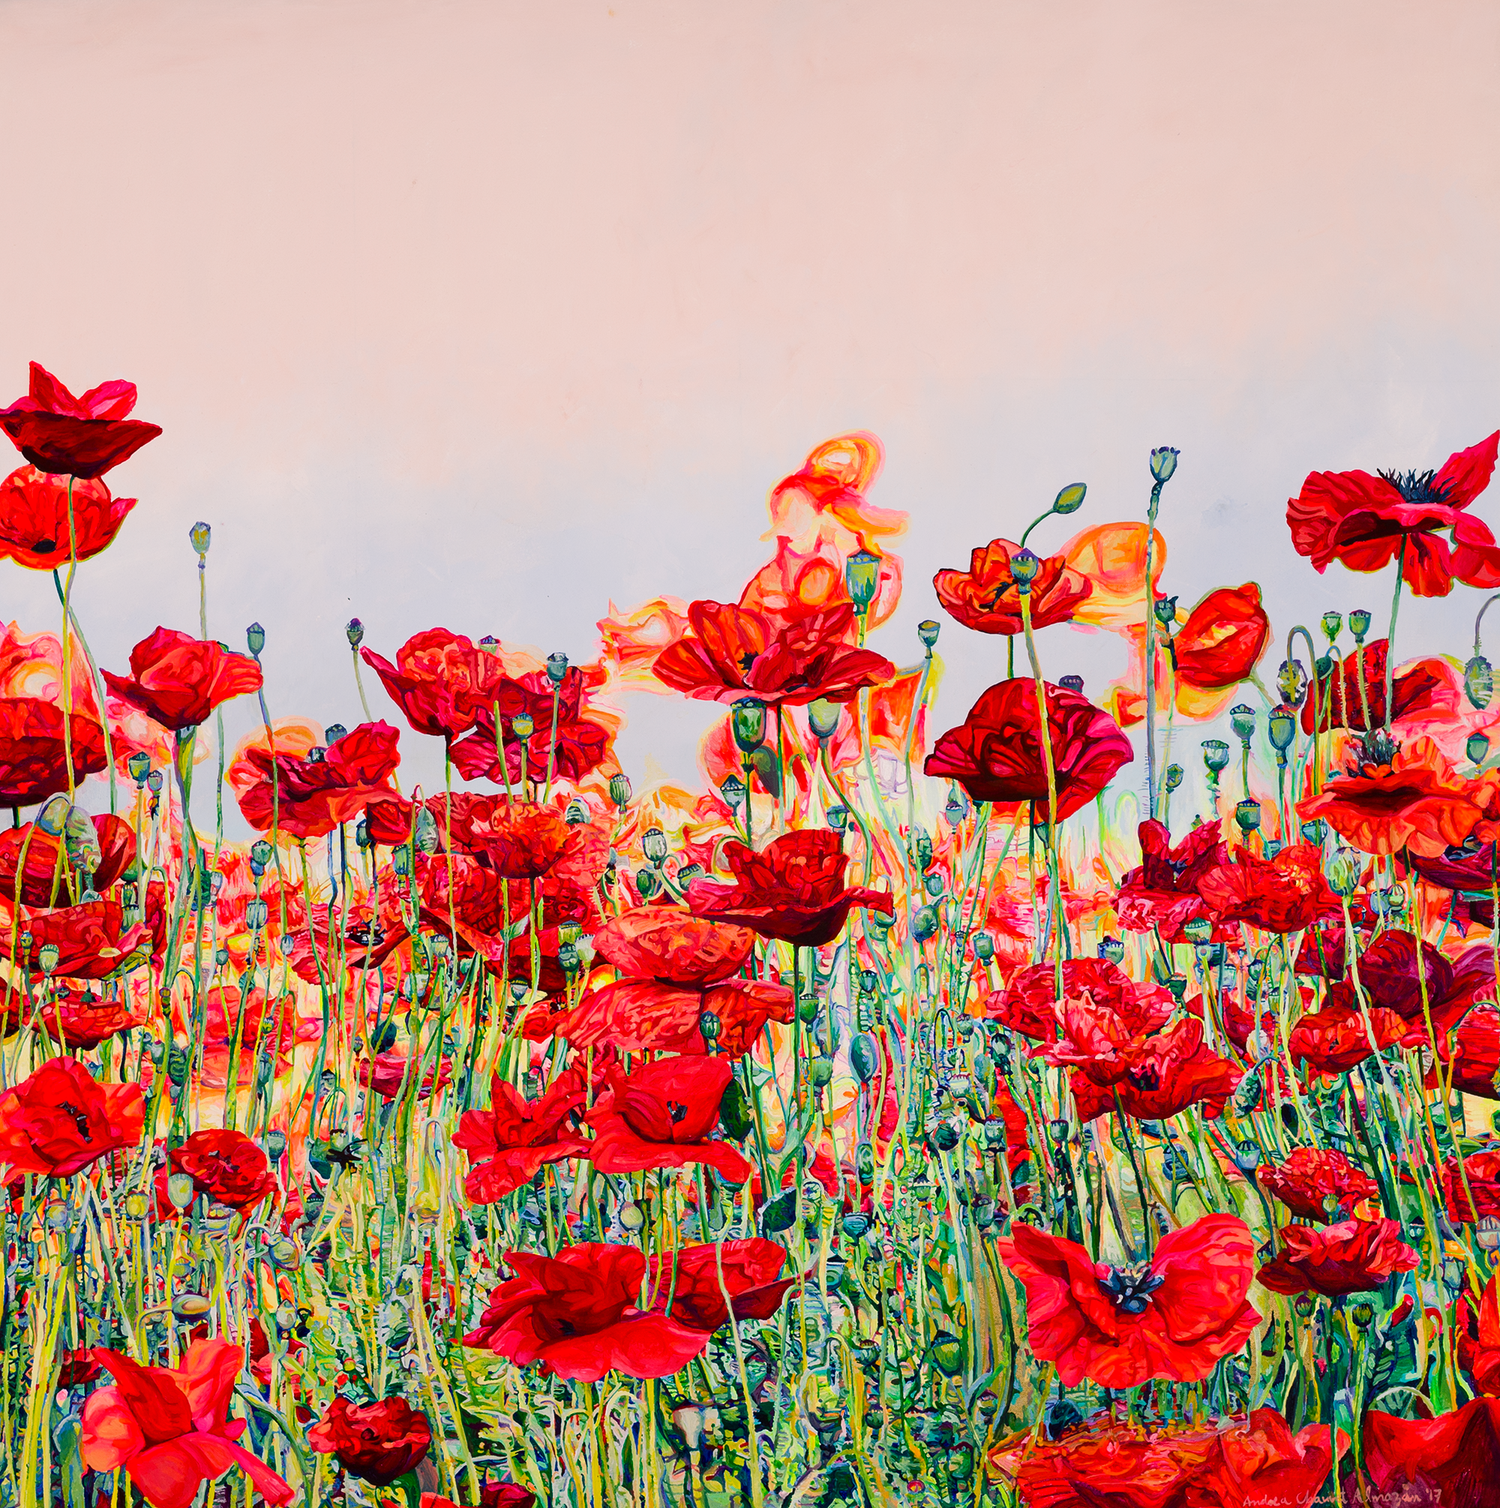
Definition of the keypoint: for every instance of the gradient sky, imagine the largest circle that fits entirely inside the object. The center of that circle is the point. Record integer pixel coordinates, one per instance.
(485, 313)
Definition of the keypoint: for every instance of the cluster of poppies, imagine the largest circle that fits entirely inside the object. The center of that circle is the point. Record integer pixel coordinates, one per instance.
(905, 1115)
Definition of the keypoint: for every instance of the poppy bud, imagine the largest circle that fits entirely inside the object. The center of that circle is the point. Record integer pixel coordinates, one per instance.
(136, 1206)
(1165, 609)
(654, 844)
(1487, 1234)
(862, 578)
(1163, 463)
(274, 1143)
(200, 535)
(1479, 682)
(927, 632)
(1476, 746)
(1070, 499)
(47, 956)
(154, 782)
(646, 882)
(733, 792)
(317, 754)
(1344, 869)
(1242, 722)
(984, 947)
(255, 639)
(1073, 683)
(1215, 755)
(1173, 776)
(1363, 1315)
(567, 958)
(1199, 929)
(1333, 624)
(1359, 624)
(523, 725)
(1282, 728)
(1247, 815)
(838, 818)
(333, 733)
(1112, 950)
(180, 1190)
(425, 831)
(139, 765)
(1305, 1304)
(957, 806)
(934, 884)
(823, 717)
(354, 631)
(687, 873)
(576, 814)
(1291, 678)
(1024, 566)
(619, 789)
(924, 922)
(1315, 831)
(53, 817)
(557, 668)
(747, 721)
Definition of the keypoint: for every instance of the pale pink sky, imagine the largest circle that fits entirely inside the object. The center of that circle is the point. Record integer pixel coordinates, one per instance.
(486, 313)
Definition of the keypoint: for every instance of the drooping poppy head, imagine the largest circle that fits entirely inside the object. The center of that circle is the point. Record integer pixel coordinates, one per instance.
(80, 437)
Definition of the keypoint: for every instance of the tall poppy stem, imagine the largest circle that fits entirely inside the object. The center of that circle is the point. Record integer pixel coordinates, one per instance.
(1151, 793)
(1390, 641)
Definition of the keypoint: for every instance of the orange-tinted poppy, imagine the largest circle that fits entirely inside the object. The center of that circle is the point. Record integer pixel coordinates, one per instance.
(36, 530)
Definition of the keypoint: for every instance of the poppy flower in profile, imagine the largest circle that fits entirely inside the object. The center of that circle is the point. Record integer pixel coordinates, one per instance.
(80, 437)
(1350, 1256)
(308, 791)
(390, 1073)
(225, 1166)
(1478, 1333)
(1259, 1461)
(1471, 1053)
(1473, 1193)
(1311, 1177)
(34, 523)
(1338, 1037)
(1163, 891)
(60, 1119)
(1365, 522)
(577, 1315)
(441, 681)
(1285, 894)
(39, 877)
(1457, 1455)
(1413, 800)
(996, 753)
(1388, 981)
(82, 1021)
(792, 889)
(1172, 1317)
(686, 1282)
(1162, 1075)
(732, 652)
(35, 758)
(515, 1137)
(580, 744)
(177, 680)
(1337, 701)
(662, 1115)
(1029, 1002)
(986, 598)
(376, 1442)
(91, 938)
(169, 1429)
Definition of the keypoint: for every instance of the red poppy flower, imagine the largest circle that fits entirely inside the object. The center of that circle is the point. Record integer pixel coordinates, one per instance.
(1338, 1038)
(576, 1314)
(177, 680)
(1458, 1454)
(81, 437)
(1338, 700)
(44, 879)
(34, 530)
(581, 743)
(1163, 892)
(1258, 1462)
(376, 1442)
(390, 1073)
(1164, 1074)
(686, 1282)
(1415, 800)
(307, 793)
(441, 681)
(35, 758)
(1028, 1004)
(793, 889)
(1478, 1334)
(1351, 1256)
(511, 1140)
(1311, 1177)
(60, 1119)
(1480, 1200)
(83, 1021)
(996, 755)
(1365, 522)
(733, 652)
(169, 1429)
(1222, 638)
(1284, 894)
(1173, 1317)
(985, 596)
(518, 840)
(225, 1166)
(91, 939)
(662, 1116)
(1388, 979)
(1473, 1058)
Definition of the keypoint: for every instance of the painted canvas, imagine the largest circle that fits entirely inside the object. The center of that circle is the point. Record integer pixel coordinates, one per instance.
(747, 755)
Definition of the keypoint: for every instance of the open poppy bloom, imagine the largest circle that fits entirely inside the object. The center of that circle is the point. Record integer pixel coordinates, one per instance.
(441, 681)
(91, 938)
(1351, 1256)
(177, 680)
(1284, 894)
(1158, 1075)
(1339, 701)
(1313, 1182)
(34, 523)
(577, 1315)
(1172, 1317)
(732, 652)
(60, 1119)
(1365, 522)
(225, 1166)
(81, 437)
(792, 889)
(1029, 1002)
(1473, 1193)
(1473, 1057)
(1259, 1461)
(1457, 1455)
(43, 877)
(515, 1137)
(996, 754)
(518, 840)
(985, 597)
(1478, 1334)
(81, 1020)
(170, 1430)
(686, 1282)
(1163, 891)
(390, 1074)
(1338, 1037)
(376, 1442)
(581, 742)
(1389, 981)
(308, 790)
(35, 757)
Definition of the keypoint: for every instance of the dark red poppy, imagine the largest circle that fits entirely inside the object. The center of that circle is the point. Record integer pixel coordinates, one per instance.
(81, 437)
(686, 1282)
(78, 1369)
(1162, 1075)
(1478, 1334)
(1173, 1317)
(1311, 1177)
(1456, 1454)
(1028, 1004)
(1389, 982)
(1222, 638)
(390, 1073)
(35, 757)
(91, 938)
(792, 889)
(1338, 1037)
(732, 652)
(34, 525)
(515, 1137)
(1163, 892)
(45, 878)
(996, 755)
(1350, 1256)
(309, 797)
(225, 1166)
(985, 596)
(376, 1442)
(441, 681)
(1337, 693)
(60, 1119)
(1284, 894)
(1474, 1193)
(662, 1116)
(1473, 1054)
(1259, 1462)
(577, 1315)
(170, 1429)
(581, 742)
(177, 680)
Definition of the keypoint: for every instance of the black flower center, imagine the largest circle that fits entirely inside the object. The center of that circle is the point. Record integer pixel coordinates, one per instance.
(677, 1112)
(1130, 1288)
(79, 1119)
(1418, 487)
